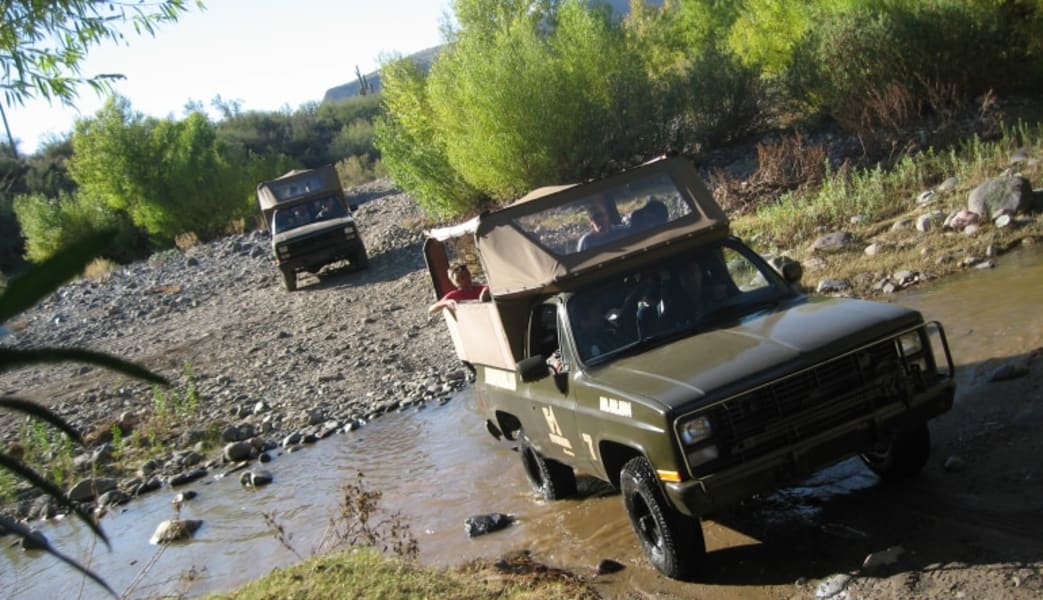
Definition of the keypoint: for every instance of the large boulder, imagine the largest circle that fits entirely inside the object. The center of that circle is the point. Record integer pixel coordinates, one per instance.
(1002, 195)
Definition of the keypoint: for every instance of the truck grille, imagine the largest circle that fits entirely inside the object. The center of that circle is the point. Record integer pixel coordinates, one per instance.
(798, 406)
(320, 242)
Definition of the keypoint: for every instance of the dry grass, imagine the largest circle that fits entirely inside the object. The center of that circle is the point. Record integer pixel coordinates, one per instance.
(186, 240)
(99, 268)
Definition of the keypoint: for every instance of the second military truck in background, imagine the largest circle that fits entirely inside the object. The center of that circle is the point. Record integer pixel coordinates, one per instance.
(310, 222)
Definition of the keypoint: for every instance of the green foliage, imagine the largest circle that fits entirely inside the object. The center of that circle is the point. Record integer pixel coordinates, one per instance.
(169, 176)
(355, 138)
(523, 106)
(49, 224)
(358, 169)
(44, 43)
(412, 149)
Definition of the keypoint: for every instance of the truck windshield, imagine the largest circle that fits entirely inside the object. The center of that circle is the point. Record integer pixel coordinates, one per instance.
(305, 213)
(669, 299)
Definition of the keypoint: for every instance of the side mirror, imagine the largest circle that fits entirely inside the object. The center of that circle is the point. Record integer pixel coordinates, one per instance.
(533, 368)
(790, 269)
(792, 272)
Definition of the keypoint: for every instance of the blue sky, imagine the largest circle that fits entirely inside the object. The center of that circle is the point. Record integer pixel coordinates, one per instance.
(268, 54)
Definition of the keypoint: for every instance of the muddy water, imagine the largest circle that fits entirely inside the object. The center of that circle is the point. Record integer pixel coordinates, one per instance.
(437, 466)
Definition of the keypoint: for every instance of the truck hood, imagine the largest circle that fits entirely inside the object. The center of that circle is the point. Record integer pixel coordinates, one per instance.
(312, 228)
(757, 348)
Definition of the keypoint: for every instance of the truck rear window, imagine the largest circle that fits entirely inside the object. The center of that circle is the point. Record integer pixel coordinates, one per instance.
(608, 216)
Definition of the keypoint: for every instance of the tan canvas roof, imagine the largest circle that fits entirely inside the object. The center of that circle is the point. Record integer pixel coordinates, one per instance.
(544, 240)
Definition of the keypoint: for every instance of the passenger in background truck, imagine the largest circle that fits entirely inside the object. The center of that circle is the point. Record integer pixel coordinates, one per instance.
(460, 275)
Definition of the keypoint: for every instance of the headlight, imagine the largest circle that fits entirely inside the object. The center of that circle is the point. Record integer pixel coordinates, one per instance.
(282, 250)
(911, 343)
(696, 430)
(349, 232)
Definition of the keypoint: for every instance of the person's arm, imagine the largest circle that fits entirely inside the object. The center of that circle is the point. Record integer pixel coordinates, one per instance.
(446, 303)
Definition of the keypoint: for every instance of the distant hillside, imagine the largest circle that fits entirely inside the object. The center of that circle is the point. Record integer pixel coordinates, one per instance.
(425, 58)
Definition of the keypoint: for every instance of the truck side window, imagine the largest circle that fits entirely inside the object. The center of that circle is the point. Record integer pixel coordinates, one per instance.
(543, 330)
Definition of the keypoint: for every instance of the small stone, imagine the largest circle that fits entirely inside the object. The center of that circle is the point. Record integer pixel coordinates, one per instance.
(882, 558)
(832, 586)
(256, 478)
(174, 530)
(874, 249)
(607, 565)
(925, 197)
(832, 286)
(483, 524)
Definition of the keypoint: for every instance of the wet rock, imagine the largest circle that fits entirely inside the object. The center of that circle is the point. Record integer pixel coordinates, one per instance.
(882, 559)
(89, 489)
(113, 498)
(291, 440)
(183, 497)
(34, 541)
(607, 565)
(238, 451)
(174, 530)
(483, 524)
(954, 464)
(256, 478)
(149, 485)
(833, 586)
(186, 477)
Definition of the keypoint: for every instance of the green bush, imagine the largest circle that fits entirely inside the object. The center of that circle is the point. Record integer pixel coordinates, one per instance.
(358, 169)
(413, 149)
(50, 224)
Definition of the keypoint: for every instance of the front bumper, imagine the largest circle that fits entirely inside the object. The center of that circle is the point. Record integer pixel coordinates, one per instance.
(704, 495)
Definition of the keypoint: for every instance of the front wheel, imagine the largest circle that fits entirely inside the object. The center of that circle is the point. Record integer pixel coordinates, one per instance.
(359, 258)
(673, 542)
(900, 454)
(548, 477)
(289, 278)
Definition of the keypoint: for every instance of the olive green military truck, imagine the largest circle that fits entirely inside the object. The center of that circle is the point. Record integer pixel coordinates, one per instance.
(310, 222)
(631, 337)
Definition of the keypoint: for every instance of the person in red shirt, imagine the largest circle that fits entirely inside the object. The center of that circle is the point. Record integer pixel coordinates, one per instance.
(460, 275)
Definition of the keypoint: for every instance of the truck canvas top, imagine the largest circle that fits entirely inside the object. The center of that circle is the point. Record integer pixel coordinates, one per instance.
(544, 240)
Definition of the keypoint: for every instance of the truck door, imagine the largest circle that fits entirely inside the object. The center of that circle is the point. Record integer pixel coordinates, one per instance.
(551, 420)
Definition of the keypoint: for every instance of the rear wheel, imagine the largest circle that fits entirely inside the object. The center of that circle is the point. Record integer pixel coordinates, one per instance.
(548, 477)
(900, 454)
(673, 542)
(289, 277)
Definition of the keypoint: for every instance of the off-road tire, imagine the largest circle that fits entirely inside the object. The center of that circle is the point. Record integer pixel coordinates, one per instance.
(289, 278)
(900, 455)
(548, 477)
(673, 542)
(359, 259)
